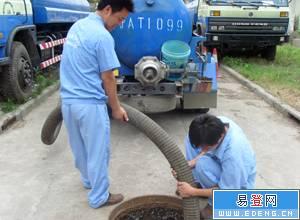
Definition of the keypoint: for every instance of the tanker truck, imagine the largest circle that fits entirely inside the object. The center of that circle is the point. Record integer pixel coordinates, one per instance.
(32, 33)
(162, 62)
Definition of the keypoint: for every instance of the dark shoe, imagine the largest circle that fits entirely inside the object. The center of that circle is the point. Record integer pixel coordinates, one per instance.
(114, 199)
(206, 213)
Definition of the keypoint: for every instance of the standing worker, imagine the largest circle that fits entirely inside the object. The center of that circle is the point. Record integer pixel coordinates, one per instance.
(87, 84)
(220, 156)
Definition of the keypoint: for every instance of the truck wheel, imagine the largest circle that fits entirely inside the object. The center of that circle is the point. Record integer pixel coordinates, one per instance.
(269, 53)
(18, 76)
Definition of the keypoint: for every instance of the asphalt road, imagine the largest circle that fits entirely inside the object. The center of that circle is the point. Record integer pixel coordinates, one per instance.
(40, 182)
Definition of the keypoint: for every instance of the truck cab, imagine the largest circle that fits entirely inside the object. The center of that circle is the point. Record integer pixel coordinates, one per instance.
(12, 14)
(32, 33)
(244, 25)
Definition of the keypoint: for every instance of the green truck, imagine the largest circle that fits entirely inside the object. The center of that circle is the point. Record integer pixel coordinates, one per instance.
(253, 26)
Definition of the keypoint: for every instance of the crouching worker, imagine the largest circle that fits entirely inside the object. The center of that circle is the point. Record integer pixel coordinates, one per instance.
(220, 156)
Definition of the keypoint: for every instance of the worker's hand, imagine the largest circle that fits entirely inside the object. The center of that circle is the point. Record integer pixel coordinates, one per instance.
(185, 190)
(174, 173)
(192, 163)
(120, 114)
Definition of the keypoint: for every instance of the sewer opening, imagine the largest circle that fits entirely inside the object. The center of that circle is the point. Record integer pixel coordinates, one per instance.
(149, 208)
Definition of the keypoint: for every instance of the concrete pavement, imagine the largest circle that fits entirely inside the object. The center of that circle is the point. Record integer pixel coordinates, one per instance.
(40, 182)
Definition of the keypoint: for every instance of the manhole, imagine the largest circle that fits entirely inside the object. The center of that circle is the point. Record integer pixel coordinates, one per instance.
(154, 207)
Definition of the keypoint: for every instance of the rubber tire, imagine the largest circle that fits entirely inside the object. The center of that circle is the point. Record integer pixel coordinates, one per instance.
(52, 126)
(269, 53)
(11, 87)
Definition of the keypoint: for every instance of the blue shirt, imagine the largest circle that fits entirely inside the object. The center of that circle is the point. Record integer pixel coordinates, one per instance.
(235, 157)
(88, 51)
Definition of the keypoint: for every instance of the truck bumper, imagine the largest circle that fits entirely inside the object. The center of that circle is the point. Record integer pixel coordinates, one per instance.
(152, 103)
(164, 96)
(243, 41)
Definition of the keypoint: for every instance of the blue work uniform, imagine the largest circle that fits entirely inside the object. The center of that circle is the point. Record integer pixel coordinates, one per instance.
(88, 52)
(232, 165)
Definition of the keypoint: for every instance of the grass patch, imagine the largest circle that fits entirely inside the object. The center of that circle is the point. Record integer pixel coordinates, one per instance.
(8, 106)
(281, 77)
(42, 82)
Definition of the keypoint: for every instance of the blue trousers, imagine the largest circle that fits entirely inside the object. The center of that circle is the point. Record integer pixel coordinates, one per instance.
(88, 127)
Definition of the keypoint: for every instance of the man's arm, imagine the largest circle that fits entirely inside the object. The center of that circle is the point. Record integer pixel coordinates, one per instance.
(186, 190)
(109, 83)
(192, 163)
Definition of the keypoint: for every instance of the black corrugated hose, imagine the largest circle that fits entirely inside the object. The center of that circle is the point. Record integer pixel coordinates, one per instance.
(156, 134)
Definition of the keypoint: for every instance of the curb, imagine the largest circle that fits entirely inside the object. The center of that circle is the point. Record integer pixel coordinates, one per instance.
(8, 119)
(282, 107)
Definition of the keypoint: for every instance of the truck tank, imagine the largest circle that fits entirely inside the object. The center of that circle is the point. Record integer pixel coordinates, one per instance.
(59, 11)
(153, 23)
(162, 64)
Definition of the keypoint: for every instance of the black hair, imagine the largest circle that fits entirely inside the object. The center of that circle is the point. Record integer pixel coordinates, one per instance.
(116, 5)
(206, 130)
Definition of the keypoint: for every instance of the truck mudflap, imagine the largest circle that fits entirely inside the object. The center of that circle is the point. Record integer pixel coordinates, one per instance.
(202, 94)
(151, 103)
(199, 100)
